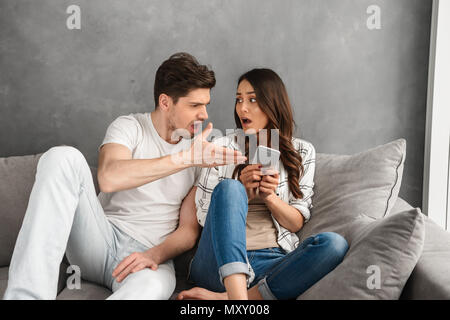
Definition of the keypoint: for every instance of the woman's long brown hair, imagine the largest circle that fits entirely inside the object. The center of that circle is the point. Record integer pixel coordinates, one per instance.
(272, 98)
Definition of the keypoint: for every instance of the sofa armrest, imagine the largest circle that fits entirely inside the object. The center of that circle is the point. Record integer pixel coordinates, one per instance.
(430, 278)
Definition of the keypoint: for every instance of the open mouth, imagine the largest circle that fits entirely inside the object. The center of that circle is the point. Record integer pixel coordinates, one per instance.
(196, 126)
(246, 121)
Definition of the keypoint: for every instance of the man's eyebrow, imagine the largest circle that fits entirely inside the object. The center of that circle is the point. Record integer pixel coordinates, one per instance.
(199, 103)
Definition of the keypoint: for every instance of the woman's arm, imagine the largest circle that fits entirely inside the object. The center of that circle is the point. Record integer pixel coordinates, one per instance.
(296, 213)
(286, 215)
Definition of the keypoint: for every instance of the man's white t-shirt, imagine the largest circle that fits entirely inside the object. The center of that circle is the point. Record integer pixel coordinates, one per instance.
(148, 213)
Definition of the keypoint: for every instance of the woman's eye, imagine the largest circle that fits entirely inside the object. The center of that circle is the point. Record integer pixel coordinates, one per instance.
(252, 99)
(238, 100)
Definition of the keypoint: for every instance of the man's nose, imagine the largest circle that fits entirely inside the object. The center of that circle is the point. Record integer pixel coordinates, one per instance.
(203, 115)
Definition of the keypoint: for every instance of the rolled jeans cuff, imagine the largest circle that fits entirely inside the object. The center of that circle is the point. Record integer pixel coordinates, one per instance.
(265, 291)
(233, 268)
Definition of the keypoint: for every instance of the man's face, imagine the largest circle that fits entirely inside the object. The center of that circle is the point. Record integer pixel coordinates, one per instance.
(189, 109)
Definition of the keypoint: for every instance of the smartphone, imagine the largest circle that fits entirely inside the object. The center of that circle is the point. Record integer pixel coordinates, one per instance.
(268, 157)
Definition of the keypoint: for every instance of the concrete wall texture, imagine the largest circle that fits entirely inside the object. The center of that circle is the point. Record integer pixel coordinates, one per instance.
(352, 87)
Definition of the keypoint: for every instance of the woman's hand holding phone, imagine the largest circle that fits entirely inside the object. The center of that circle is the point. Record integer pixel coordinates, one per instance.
(256, 184)
(268, 185)
(250, 177)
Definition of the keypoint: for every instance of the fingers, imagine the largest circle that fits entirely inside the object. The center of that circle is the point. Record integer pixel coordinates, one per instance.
(265, 190)
(251, 167)
(270, 179)
(207, 131)
(228, 156)
(213, 155)
(252, 176)
(251, 181)
(125, 263)
(125, 272)
(251, 185)
(272, 172)
(132, 263)
(268, 185)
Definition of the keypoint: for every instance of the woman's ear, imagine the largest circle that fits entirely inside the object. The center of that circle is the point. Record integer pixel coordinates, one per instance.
(165, 102)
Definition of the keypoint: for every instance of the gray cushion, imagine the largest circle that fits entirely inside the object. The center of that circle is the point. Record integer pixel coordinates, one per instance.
(17, 178)
(87, 291)
(386, 248)
(430, 278)
(19, 174)
(347, 185)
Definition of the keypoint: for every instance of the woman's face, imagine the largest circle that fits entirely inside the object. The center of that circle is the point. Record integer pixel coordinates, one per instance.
(252, 117)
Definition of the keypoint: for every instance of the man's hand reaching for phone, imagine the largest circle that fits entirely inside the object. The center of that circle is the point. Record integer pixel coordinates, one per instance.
(206, 154)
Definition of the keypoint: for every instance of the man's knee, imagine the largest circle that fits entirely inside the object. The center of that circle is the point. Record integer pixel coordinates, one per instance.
(147, 285)
(61, 155)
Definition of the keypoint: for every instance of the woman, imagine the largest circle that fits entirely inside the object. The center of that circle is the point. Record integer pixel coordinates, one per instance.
(250, 220)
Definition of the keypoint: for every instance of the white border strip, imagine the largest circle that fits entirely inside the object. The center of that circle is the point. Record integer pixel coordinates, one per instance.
(437, 135)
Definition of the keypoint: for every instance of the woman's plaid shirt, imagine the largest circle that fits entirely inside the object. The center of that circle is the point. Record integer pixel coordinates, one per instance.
(210, 177)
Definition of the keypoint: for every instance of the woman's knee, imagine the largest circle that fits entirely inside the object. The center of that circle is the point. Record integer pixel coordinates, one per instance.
(335, 244)
(230, 190)
(229, 186)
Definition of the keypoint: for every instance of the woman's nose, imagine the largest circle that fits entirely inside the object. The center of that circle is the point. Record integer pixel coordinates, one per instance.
(244, 107)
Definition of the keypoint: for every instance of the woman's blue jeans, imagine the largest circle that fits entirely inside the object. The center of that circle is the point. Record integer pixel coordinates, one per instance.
(222, 251)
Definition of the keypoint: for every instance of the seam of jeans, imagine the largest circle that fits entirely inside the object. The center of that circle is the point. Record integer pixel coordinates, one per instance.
(285, 261)
(96, 219)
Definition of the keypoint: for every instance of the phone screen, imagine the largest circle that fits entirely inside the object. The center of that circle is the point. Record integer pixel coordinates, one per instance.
(268, 157)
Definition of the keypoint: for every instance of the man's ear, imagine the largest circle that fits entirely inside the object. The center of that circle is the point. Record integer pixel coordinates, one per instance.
(165, 102)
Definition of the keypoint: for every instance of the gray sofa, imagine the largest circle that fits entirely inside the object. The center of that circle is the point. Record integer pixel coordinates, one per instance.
(428, 279)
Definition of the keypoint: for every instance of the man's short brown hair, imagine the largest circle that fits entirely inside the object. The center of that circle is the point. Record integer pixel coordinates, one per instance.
(180, 74)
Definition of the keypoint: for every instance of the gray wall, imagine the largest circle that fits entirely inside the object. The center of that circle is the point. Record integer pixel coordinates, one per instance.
(351, 88)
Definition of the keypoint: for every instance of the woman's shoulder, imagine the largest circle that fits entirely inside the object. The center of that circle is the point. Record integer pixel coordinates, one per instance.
(303, 146)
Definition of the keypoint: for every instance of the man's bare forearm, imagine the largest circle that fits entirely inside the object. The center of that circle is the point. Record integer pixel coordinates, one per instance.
(133, 173)
(179, 241)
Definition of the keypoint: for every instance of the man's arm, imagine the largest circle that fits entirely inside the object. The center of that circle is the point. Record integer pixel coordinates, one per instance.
(117, 170)
(184, 237)
(179, 241)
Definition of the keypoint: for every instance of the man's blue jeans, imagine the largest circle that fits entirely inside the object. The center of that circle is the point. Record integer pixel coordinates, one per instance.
(279, 275)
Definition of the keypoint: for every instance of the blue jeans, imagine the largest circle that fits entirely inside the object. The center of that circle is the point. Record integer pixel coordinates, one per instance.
(278, 275)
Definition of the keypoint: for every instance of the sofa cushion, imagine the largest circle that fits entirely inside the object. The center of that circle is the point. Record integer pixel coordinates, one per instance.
(430, 278)
(87, 291)
(382, 254)
(17, 177)
(19, 172)
(348, 185)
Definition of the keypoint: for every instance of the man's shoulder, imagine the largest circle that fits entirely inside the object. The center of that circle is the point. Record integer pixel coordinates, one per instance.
(130, 119)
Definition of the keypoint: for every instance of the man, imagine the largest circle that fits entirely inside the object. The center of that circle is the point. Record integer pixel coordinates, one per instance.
(144, 215)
